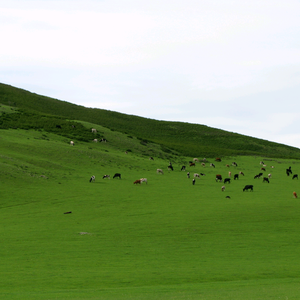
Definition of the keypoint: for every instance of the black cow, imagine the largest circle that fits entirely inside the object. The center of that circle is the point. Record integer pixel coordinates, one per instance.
(248, 187)
(117, 175)
(227, 180)
(295, 176)
(236, 176)
(218, 177)
(266, 179)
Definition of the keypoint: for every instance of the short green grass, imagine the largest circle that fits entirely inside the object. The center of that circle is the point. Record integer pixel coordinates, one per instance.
(166, 239)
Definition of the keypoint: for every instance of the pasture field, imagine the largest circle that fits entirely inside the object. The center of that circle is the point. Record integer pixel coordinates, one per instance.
(167, 239)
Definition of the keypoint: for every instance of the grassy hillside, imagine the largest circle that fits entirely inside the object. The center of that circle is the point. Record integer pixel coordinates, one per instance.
(167, 239)
(184, 138)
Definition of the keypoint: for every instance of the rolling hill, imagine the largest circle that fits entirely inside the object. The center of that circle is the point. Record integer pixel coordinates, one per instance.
(182, 138)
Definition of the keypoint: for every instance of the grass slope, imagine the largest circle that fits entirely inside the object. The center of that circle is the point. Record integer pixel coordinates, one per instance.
(187, 139)
(164, 240)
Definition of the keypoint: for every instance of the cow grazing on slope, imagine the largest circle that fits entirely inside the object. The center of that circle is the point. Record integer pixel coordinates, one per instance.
(218, 177)
(117, 175)
(236, 176)
(183, 168)
(266, 179)
(159, 171)
(144, 180)
(223, 188)
(248, 187)
(227, 180)
(92, 179)
(170, 167)
(137, 181)
(295, 195)
(106, 176)
(295, 176)
(71, 143)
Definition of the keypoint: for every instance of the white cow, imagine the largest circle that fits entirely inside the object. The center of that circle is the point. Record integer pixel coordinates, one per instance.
(71, 143)
(144, 180)
(159, 171)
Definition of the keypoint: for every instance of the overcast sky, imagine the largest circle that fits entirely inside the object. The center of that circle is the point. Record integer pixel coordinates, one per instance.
(228, 64)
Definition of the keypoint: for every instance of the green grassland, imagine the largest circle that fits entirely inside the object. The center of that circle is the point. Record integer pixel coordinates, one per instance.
(166, 239)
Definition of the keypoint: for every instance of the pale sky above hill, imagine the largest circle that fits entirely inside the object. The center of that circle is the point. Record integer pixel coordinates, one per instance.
(228, 64)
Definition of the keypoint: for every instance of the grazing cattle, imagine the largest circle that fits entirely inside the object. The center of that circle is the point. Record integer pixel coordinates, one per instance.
(234, 164)
(137, 181)
(106, 176)
(227, 180)
(103, 140)
(117, 175)
(58, 126)
(236, 176)
(263, 169)
(248, 187)
(67, 212)
(295, 195)
(223, 188)
(262, 163)
(229, 174)
(218, 177)
(295, 176)
(203, 164)
(144, 180)
(194, 181)
(94, 130)
(159, 171)
(202, 174)
(95, 140)
(227, 166)
(151, 158)
(196, 159)
(272, 167)
(188, 174)
(218, 159)
(196, 175)
(228, 197)
(192, 164)
(212, 165)
(269, 175)
(241, 173)
(266, 179)
(288, 172)
(92, 179)
(71, 143)
(258, 175)
(170, 167)
(183, 168)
